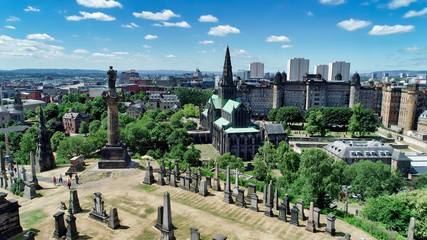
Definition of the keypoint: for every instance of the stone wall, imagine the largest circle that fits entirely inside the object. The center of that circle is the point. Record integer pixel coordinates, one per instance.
(9, 217)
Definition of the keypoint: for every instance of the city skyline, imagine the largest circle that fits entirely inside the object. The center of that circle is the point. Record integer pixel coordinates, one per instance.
(372, 35)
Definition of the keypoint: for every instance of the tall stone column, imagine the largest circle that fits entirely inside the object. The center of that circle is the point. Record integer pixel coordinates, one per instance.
(113, 120)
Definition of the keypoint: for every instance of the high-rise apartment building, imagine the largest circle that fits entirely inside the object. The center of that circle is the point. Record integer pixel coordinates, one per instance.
(339, 67)
(297, 67)
(244, 74)
(256, 69)
(322, 69)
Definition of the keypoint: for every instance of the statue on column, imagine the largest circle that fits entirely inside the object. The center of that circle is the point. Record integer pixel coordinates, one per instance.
(112, 75)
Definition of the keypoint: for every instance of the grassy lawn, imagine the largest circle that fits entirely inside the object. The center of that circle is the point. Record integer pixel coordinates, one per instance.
(207, 151)
(30, 219)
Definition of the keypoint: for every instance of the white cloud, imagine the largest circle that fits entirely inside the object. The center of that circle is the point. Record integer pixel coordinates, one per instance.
(208, 18)
(399, 3)
(286, 46)
(99, 16)
(202, 51)
(170, 56)
(13, 19)
(31, 9)
(353, 24)
(146, 46)
(40, 36)
(157, 25)
(239, 52)
(414, 13)
(412, 49)
(277, 39)
(120, 53)
(309, 13)
(9, 27)
(205, 42)
(13, 47)
(385, 29)
(158, 16)
(81, 51)
(99, 3)
(332, 2)
(182, 24)
(101, 55)
(130, 25)
(149, 37)
(223, 30)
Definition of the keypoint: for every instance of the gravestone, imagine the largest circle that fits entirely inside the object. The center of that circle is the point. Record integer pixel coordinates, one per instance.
(411, 229)
(167, 229)
(346, 206)
(217, 180)
(194, 187)
(219, 237)
(159, 217)
(9, 217)
(113, 220)
(276, 199)
(254, 202)
(240, 199)
(282, 212)
(149, 177)
(227, 192)
(74, 203)
(182, 182)
(203, 188)
(172, 180)
(269, 203)
(30, 190)
(98, 213)
(176, 169)
(60, 229)
(44, 155)
(330, 224)
(195, 235)
(62, 206)
(72, 233)
(316, 214)
(162, 167)
(23, 174)
(286, 200)
(310, 223)
(33, 172)
(30, 235)
(251, 190)
(264, 198)
(300, 205)
(236, 183)
(199, 173)
(294, 216)
(209, 181)
(160, 178)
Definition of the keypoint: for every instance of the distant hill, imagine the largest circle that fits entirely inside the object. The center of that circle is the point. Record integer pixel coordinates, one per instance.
(88, 71)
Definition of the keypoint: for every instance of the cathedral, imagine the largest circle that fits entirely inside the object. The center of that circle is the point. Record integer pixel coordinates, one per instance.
(227, 117)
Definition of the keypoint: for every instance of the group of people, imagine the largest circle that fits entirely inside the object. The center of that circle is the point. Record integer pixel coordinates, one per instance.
(68, 181)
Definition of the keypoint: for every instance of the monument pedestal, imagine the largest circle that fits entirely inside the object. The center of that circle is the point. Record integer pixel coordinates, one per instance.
(114, 156)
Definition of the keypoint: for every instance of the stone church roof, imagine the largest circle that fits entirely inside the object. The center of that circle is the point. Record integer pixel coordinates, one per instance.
(274, 128)
(230, 106)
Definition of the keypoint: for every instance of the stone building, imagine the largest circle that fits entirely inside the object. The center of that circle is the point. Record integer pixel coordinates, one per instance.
(355, 151)
(164, 102)
(72, 121)
(390, 105)
(136, 108)
(422, 123)
(227, 117)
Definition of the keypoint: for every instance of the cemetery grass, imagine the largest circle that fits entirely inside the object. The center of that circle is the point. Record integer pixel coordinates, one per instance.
(31, 218)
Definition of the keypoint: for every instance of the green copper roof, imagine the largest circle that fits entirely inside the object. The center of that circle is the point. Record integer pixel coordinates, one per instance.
(242, 130)
(215, 101)
(221, 122)
(230, 105)
(205, 112)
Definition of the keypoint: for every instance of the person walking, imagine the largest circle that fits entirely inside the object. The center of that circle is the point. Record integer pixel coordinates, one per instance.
(69, 183)
(54, 181)
(60, 178)
(77, 179)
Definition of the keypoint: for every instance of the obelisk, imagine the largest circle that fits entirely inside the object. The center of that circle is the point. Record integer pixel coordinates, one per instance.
(44, 155)
(114, 154)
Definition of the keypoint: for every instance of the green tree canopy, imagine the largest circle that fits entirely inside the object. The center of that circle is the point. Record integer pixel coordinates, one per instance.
(272, 114)
(363, 121)
(51, 111)
(84, 128)
(94, 125)
(316, 124)
(288, 115)
(192, 156)
(56, 138)
(190, 110)
(420, 181)
(194, 96)
(228, 159)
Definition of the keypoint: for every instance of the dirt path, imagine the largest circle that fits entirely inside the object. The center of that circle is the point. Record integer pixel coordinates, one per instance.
(137, 209)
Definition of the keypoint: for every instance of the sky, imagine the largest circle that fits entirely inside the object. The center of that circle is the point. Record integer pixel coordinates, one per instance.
(373, 35)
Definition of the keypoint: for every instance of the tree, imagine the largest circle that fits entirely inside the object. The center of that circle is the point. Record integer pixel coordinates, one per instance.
(161, 117)
(420, 181)
(190, 110)
(11, 123)
(29, 114)
(51, 111)
(72, 146)
(316, 124)
(319, 178)
(159, 136)
(137, 137)
(125, 119)
(288, 165)
(190, 125)
(272, 114)
(194, 96)
(363, 121)
(94, 125)
(84, 128)
(98, 107)
(27, 144)
(192, 156)
(56, 139)
(264, 160)
(288, 115)
(97, 140)
(14, 139)
(176, 120)
(179, 136)
(228, 159)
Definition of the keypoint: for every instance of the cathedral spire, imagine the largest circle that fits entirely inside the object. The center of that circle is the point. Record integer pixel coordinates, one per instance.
(227, 75)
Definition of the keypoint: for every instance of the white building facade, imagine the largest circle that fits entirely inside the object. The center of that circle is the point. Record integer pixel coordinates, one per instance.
(297, 67)
(256, 69)
(339, 67)
(322, 69)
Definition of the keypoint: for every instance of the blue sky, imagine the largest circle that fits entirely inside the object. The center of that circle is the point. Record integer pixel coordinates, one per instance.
(182, 35)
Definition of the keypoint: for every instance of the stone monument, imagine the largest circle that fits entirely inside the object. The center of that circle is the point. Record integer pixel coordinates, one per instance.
(251, 190)
(72, 233)
(316, 214)
(160, 178)
(8, 157)
(115, 153)
(236, 183)
(176, 168)
(44, 156)
(74, 203)
(330, 224)
(167, 228)
(217, 180)
(310, 223)
(33, 172)
(30, 190)
(194, 186)
(282, 212)
(276, 199)
(411, 229)
(240, 199)
(149, 177)
(172, 179)
(195, 235)
(203, 188)
(286, 200)
(30, 235)
(269, 201)
(227, 192)
(113, 220)
(300, 205)
(219, 237)
(98, 212)
(60, 229)
(254, 202)
(9, 217)
(294, 216)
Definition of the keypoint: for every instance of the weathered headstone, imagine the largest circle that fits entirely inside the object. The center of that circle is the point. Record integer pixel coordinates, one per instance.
(269, 203)
(60, 229)
(236, 183)
(251, 190)
(98, 212)
(282, 212)
(294, 216)
(159, 217)
(72, 233)
(195, 235)
(24, 174)
(62, 206)
(74, 203)
(264, 198)
(160, 178)
(167, 229)
(44, 155)
(203, 188)
(30, 235)
(172, 179)
(227, 192)
(217, 180)
(330, 224)
(113, 220)
(346, 206)
(310, 223)
(316, 214)
(9, 217)
(199, 173)
(286, 200)
(219, 237)
(276, 199)
(30, 190)
(194, 187)
(300, 205)
(182, 182)
(411, 229)
(33, 172)
(176, 169)
(240, 199)
(209, 181)
(149, 177)
(162, 167)
(254, 202)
